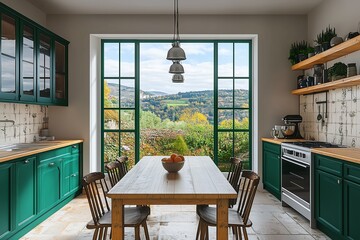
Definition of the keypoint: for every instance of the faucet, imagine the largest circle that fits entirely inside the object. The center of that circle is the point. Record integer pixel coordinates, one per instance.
(7, 121)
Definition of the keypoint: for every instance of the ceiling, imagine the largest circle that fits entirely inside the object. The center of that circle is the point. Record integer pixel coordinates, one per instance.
(185, 6)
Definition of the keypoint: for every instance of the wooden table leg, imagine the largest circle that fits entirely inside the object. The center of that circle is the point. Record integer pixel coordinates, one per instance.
(222, 219)
(117, 218)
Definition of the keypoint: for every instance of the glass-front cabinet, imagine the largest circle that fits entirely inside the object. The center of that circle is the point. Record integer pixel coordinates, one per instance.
(9, 55)
(33, 62)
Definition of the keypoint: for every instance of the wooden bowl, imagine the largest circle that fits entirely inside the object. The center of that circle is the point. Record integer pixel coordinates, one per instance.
(172, 167)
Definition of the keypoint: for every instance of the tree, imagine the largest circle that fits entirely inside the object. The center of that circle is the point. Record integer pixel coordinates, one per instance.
(194, 118)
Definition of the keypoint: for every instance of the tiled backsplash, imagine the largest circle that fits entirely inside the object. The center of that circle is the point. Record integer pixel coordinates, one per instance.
(27, 119)
(342, 125)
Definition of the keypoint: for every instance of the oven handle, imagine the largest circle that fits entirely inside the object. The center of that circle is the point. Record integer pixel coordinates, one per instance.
(295, 162)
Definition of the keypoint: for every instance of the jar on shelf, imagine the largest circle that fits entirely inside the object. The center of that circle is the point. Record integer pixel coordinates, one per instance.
(351, 69)
(318, 74)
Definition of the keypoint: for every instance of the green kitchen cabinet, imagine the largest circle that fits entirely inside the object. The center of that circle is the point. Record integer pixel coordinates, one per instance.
(49, 183)
(71, 173)
(329, 202)
(6, 199)
(33, 62)
(272, 168)
(25, 194)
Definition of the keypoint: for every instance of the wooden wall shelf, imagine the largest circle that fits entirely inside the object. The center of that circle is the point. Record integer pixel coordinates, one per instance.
(340, 50)
(342, 83)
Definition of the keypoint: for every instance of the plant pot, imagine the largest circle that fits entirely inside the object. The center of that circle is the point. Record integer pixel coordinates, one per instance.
(317, 49)
(301, 57)
(334, 78)
(310, 54)
(325, 46)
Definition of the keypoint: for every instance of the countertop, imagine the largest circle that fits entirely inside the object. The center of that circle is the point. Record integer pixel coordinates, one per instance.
(35, 148)
(346, 154)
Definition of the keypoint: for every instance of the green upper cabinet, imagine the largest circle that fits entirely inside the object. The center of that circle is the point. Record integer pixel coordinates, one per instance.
(9, 65)
(272, 168)
(33, 62)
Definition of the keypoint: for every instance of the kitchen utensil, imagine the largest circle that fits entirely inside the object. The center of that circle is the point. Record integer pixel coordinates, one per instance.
(319, 116)
(351, 69)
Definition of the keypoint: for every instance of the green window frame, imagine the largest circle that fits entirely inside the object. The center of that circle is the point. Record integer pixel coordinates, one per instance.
(219, 131)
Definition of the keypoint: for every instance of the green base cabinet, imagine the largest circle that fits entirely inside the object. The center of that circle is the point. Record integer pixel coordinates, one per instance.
(337, 197)
(272, 168)
(35, 187)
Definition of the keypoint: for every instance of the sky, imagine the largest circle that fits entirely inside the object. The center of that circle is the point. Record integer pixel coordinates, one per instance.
(199, 65)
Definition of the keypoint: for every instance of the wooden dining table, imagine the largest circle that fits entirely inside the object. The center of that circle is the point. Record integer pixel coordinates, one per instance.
(199, 182)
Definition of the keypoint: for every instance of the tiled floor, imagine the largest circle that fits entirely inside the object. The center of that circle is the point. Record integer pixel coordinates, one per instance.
(270, 221)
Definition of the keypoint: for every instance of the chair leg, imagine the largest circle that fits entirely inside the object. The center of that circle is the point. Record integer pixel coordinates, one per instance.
(245, 233)
(236, 233)
(105, 233)
(202, 230)
(146, 231)
(137, 233)
(95, 233)
(239, 231)
(198, 231)
(101, 233)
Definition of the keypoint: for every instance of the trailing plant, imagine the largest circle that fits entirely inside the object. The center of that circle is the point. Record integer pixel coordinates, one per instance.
(296, 49)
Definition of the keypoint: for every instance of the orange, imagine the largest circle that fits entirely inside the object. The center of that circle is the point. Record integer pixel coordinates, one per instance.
(182, 157)
(178, 159)
(173, 156)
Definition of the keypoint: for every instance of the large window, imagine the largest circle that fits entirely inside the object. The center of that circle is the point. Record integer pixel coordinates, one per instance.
(144, 113)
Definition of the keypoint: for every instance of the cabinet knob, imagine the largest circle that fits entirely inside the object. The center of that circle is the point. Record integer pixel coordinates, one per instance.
(51, 164)
(74, 146)
(26, 161)
(73, 175)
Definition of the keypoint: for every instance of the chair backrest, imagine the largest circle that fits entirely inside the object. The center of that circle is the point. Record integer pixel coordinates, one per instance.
(96, 188)
(116, 170)
(234, 176)
(248, 184)
(123, 161)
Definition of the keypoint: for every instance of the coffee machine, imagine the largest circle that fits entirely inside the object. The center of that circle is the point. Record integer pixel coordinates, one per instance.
(291, 129)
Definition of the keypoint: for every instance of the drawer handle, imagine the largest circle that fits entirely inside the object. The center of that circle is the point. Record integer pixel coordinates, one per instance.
(51, 164)
(73, 175)
(338, 181)
(74, 146)
(26, 161)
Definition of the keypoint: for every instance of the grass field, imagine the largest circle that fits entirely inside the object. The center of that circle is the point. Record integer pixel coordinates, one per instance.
(176, 103)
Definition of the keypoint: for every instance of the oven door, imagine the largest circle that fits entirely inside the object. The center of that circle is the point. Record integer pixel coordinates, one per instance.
(296, 178)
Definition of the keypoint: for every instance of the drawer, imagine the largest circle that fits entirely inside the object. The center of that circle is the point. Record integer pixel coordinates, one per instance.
(272, 147)
(329, 165)
(54, 153)
(352, 172)
(75, 148)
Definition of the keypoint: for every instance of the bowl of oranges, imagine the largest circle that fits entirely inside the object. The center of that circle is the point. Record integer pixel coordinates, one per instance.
(174, 163)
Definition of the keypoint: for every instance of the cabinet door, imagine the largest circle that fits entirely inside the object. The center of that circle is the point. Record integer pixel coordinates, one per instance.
(49, 184)
(44, 83)
(272, 173)
(71, 174)
(60, 85)
(9, 55)
(329, 203)
(25, 195)
(27, 63)
(352, 210)
(6, 199)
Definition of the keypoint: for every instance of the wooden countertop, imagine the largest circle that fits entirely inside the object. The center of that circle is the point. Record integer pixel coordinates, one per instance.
(346, 154)
(35, 148)
(279, 141)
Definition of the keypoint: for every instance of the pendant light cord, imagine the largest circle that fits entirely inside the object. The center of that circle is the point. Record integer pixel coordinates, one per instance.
(177, 21)
(174, 36)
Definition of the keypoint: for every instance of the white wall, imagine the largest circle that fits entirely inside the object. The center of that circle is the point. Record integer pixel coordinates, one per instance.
(343, 123)
(276, 33)
(27, 9)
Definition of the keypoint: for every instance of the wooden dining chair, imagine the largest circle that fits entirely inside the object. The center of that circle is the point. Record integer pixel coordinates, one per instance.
(238, 219)
(96, 188)
(116, 170)
(233, 177)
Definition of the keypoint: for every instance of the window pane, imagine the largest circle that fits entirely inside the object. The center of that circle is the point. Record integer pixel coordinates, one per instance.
(111, 119)
(241, 93)
(225, 94)
(127, 60)
(225, 119)
(127, 147)
(111, 146)
(127, 119)
(225, 149)
(225, 60)
(242, 59)
(242, 147)
(111, 59)
(127, 95)
(7, 74)
(241, 119)
(8, 36)
(111, 93)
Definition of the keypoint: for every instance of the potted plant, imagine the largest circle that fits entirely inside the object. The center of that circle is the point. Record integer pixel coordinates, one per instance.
(338, 71)
(310, 51)
(319, 40)
(328, 35)
(298, 52)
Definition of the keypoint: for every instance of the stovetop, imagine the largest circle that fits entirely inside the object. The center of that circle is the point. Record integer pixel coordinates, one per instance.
(315, 144)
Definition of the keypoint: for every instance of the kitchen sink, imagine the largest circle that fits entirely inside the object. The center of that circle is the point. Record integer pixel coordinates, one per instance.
(21, 146)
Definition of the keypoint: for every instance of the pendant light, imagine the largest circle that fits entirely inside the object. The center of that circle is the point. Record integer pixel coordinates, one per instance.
(176, 53)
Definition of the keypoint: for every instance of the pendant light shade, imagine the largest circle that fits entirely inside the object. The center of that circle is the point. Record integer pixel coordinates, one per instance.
(176, 53)
(178, 78)
(176, 68)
